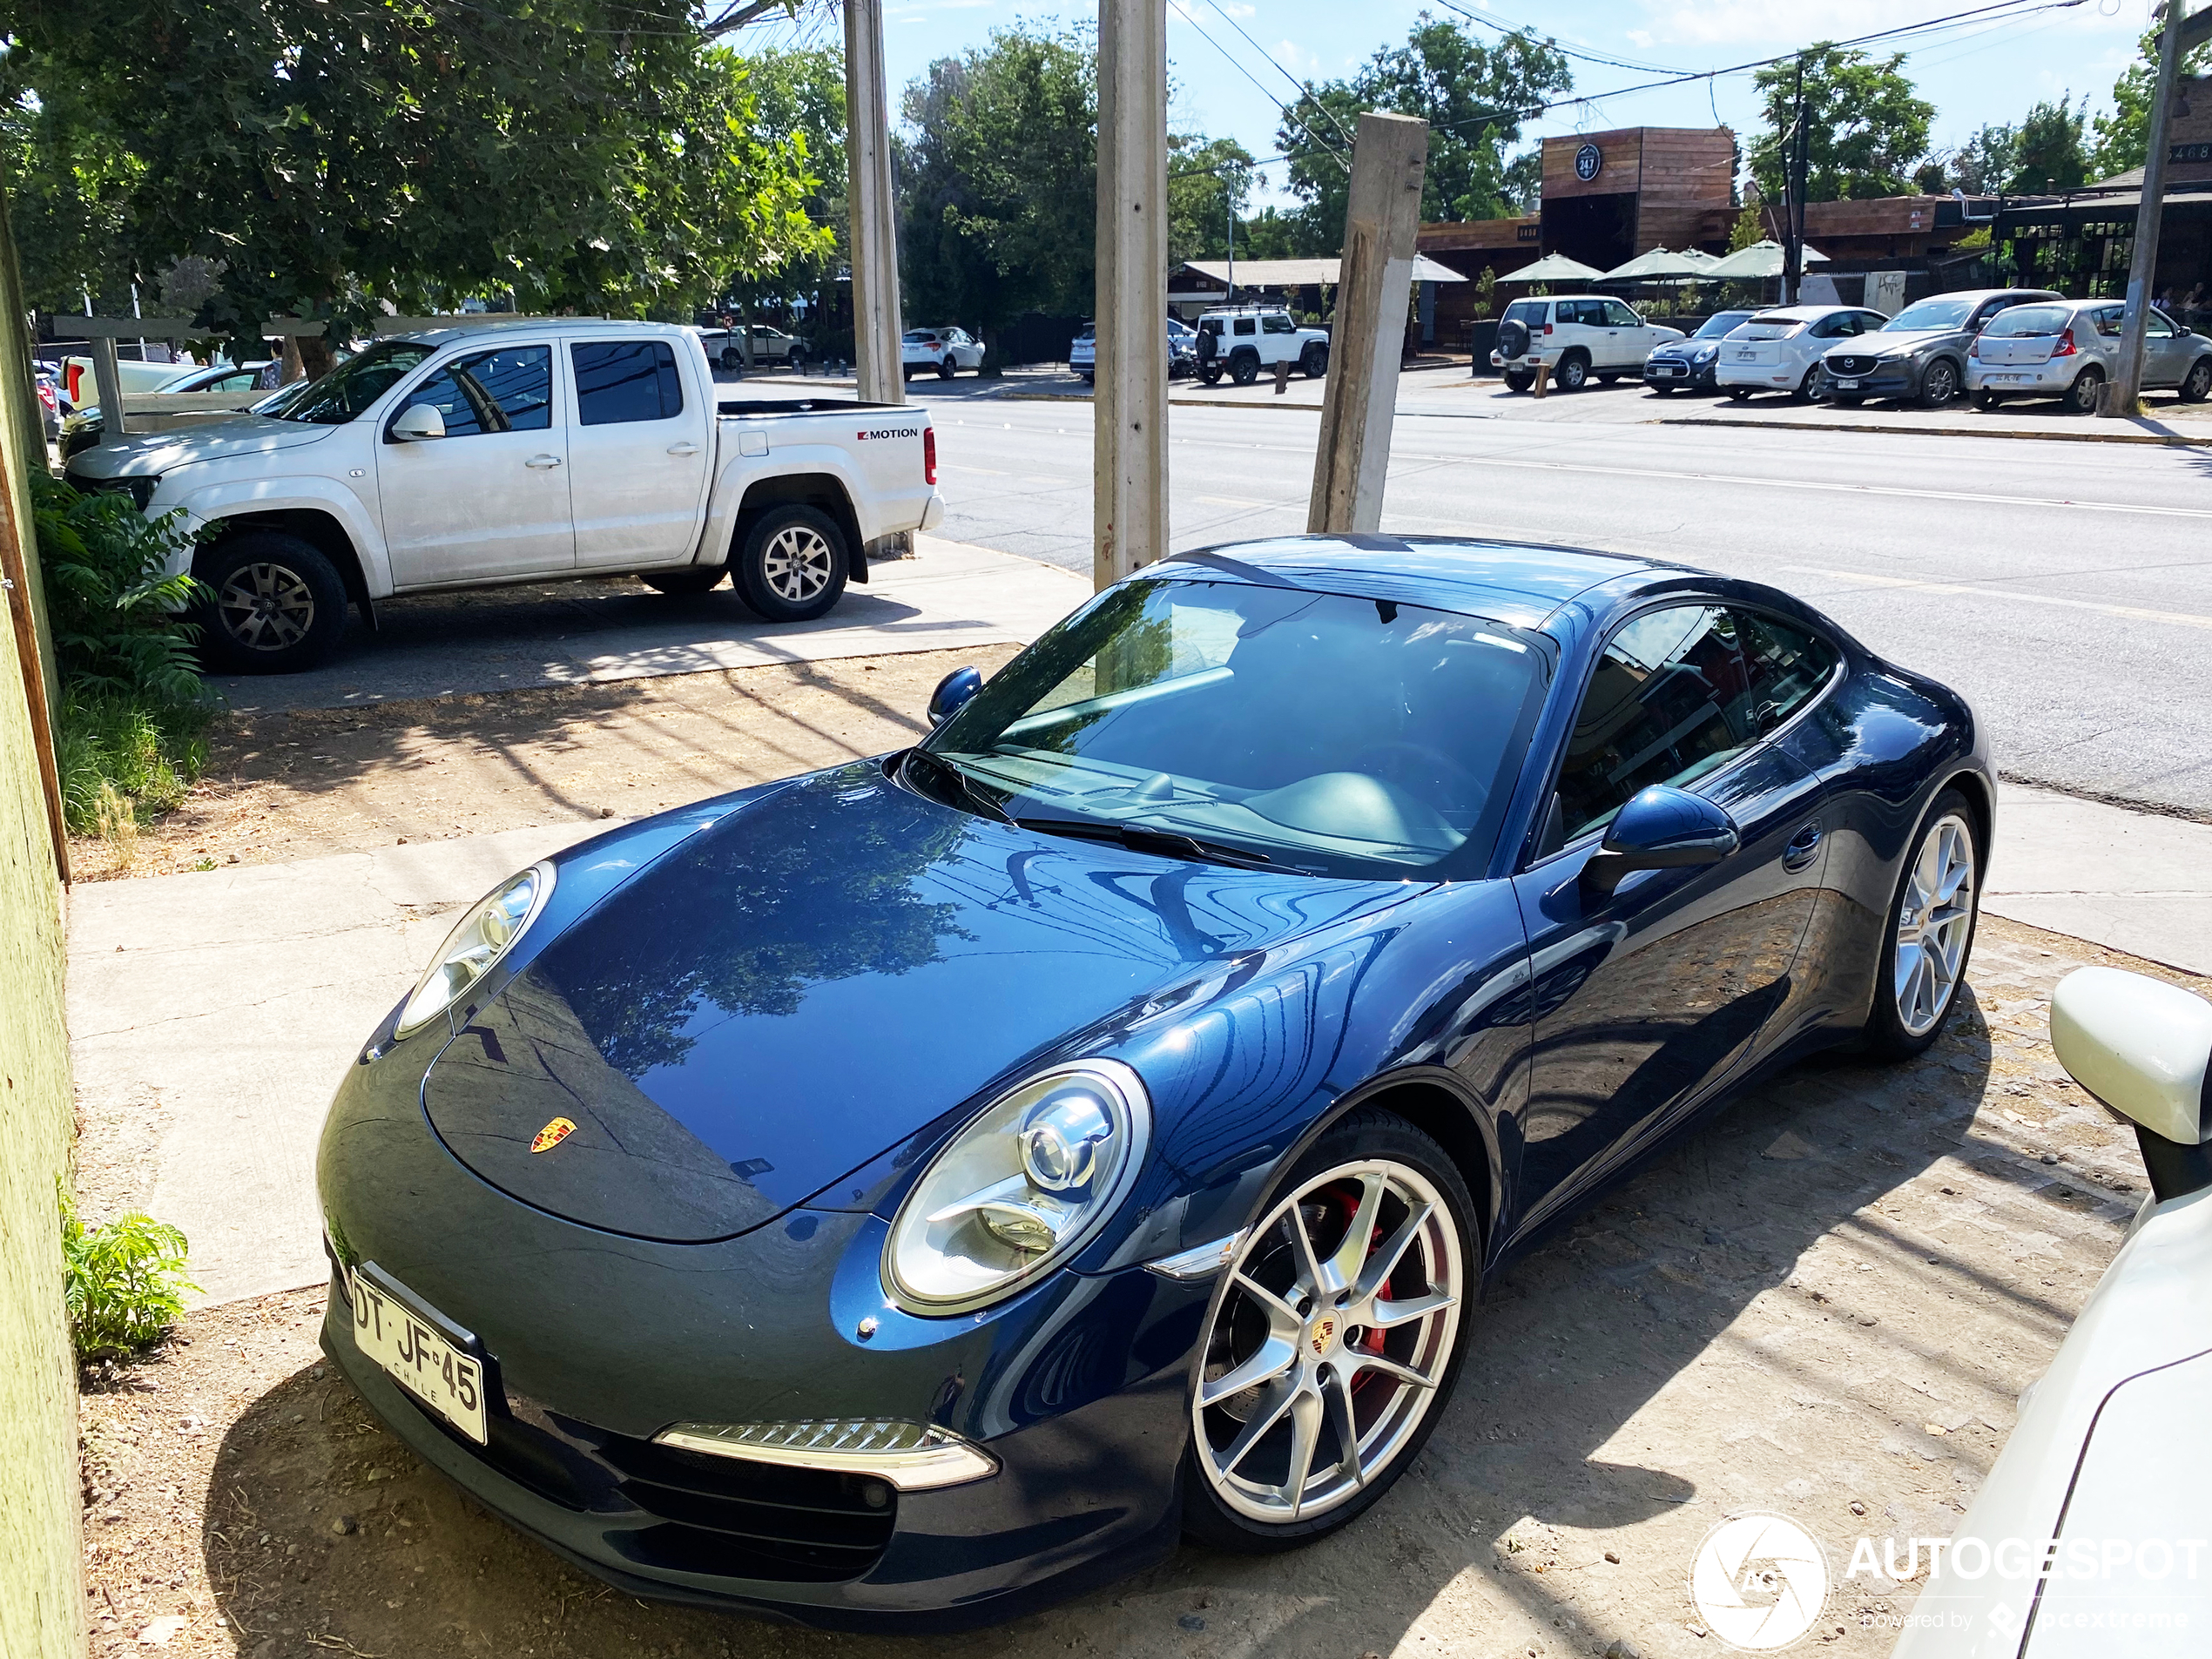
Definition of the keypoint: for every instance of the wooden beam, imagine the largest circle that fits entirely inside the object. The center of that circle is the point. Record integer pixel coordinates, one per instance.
(1129, 416)
(877, 322)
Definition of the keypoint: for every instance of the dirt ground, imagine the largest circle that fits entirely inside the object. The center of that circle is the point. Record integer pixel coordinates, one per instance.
(1824, 1303)
(307, 782)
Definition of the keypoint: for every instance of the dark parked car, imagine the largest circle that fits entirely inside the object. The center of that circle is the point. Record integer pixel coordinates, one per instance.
(1689, 363)
(1110, 1142)
(1920, 353)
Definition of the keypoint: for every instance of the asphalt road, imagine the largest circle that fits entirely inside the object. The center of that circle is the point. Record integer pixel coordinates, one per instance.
(2065, 587)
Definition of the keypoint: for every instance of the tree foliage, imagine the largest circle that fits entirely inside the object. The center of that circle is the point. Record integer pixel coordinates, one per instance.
(1866, 127)
(999, 181)
(1209, 181)
(2049, 152)
(2122, 140)
(333, 153)
(1473, 95)
(798, 99)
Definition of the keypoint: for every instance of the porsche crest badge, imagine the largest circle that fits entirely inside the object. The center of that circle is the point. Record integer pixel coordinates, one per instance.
(552, 1135)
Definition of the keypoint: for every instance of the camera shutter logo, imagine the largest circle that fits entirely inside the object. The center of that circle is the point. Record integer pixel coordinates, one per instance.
(1759, 1581)
(1588, 161)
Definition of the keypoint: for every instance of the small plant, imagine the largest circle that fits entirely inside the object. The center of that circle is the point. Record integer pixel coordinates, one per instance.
(116, 819)
(123, 1282)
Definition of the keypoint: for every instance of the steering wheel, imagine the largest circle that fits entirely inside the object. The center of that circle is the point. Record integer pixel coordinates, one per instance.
(1428, 773)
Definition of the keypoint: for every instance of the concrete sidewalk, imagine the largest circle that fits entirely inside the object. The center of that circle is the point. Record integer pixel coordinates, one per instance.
(214, 1014)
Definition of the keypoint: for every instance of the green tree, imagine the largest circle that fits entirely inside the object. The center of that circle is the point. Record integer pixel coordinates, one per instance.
(1982, 165)
(1749, 228)
(2049, 152)
(1473, 95)
(999, 182)
(2122, 133)
(799, 100)
(1273, 234)
(1209, 180)
(1865, 126)
(1522, 186)
(333, 153)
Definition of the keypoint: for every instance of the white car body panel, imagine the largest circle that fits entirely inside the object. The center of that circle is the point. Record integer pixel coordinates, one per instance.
(1762, 357)
(492, 507)
(963, 348)
(1613, 338)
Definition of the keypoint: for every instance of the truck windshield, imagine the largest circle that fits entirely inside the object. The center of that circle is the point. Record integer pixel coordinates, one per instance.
(347, 390)
(1309, 731)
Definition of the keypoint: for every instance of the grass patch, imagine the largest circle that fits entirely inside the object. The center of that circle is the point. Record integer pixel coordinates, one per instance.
(115, 748)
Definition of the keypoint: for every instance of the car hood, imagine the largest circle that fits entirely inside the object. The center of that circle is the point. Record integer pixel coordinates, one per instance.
(1885, 344)
(161, 452)
(814, 979)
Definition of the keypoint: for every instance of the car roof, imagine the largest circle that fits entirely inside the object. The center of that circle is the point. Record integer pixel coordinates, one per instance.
(494, 323)
(1518, 582)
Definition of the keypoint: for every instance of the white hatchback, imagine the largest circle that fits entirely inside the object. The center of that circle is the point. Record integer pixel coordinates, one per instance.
(1780, 351)
(946, 350)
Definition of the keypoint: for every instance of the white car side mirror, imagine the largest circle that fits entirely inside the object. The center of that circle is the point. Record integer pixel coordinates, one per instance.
(2139, 1045)
(416, 424)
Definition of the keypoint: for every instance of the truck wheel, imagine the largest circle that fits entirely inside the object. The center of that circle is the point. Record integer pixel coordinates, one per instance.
(733, 358)
(1244, 368)
(1211, 375)
(1314, 361)
(1518, 381)
(276, 604)
(791, 567)
(1574, 371)
(685, 584)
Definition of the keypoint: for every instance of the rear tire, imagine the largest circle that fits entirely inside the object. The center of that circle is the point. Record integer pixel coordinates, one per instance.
(1244, 368)
(733, 358)
(1228, 1495)
(1803, 394)
(1314, 361)
(1517, 381)
(1739, 393)
(1907, 1018)
(2082, 396)
(1574, 371)
(685, 584)
(947, 369)
(1211, 375)
(276, 604)
(792, 564)
(1988, 400)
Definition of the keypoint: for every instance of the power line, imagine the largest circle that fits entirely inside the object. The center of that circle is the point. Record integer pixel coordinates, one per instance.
(1286, 109)
(1305, 90)
(1552, 41)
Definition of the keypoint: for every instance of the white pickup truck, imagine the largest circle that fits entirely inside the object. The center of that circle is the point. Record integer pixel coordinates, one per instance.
(507, 452)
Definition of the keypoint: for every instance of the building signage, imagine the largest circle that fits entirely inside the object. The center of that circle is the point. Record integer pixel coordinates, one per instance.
(2191, 152)
(1588, 160)
(1528, 234)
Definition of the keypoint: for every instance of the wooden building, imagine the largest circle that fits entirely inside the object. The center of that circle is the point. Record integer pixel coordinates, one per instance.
(1610, 196)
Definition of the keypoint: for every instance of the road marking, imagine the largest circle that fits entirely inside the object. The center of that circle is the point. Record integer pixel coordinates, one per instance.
(1238, 501)
(2133, 613)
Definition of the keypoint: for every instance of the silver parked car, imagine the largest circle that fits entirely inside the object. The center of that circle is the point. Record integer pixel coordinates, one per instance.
(2070, 349)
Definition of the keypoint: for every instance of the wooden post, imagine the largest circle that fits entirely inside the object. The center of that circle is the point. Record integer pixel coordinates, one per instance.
(2127, 388)
(1388, 159)
(1130, 423)
(876, 325)
(108, 378)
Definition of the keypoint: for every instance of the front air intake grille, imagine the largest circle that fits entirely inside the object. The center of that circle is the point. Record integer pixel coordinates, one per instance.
(1852, 365)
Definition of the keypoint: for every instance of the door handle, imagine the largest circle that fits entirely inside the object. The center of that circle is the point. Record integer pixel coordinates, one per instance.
(1804, 847)
(686, 448)
(543, 463)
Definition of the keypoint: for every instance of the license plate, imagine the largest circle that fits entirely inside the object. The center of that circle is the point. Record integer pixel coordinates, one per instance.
(1666, 369)
(413, 1354)
(2009, 380)
(1745, 354)
(1847, 386)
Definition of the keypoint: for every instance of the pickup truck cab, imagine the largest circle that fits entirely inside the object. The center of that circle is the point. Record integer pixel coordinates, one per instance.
(524, 451)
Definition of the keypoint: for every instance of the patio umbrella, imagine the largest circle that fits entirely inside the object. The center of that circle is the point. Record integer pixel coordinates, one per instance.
(1553, 267)
(1760, 260)
(1658, 265)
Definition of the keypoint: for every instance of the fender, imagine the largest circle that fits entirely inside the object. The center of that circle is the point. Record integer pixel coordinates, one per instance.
(239, 496)
(740, 473)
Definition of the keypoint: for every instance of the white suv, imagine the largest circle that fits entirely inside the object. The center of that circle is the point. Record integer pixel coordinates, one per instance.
(1576, 338)
(1247, 339)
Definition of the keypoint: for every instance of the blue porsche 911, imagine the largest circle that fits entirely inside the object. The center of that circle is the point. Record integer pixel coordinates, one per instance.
(917, 1191)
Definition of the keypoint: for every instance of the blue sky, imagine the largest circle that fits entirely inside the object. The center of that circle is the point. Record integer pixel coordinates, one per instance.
(1972, 72)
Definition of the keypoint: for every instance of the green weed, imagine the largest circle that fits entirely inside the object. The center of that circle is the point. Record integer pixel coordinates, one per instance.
(123, 1282)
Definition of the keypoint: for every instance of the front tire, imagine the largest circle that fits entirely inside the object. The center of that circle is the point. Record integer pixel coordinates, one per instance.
(1938, 384)
(793, 565)
(277, 605)
(2196, 385)
(1929, 933)
(1334, 1339)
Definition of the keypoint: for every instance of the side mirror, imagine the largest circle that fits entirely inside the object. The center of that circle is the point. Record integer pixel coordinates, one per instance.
(415, 424)
(952, 694)
(1661, 828)
(2143, 1047)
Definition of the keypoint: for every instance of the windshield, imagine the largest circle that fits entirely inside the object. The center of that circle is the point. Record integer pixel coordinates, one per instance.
(1719, 323)
(347, 390)
(1930, 315)
(1322, 734)
(1089, 331)
(921, 337)
(2028, 319)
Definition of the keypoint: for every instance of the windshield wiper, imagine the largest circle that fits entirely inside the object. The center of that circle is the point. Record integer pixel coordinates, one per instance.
(962, 785)
(1142, 838)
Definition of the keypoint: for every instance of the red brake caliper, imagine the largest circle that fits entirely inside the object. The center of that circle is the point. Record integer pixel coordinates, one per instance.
(1369, 1340)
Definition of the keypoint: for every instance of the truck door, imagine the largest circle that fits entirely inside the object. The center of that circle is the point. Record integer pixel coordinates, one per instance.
(490, 498)
(637, 454)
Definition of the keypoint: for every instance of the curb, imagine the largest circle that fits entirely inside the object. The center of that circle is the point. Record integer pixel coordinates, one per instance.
(2172, 441)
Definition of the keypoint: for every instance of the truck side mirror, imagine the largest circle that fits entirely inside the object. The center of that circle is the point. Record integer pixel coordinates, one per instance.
(415, 424)
(2143, 1047)
(952, 694)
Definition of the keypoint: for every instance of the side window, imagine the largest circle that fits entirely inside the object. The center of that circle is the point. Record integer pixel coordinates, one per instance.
(1279, 325)
(1667, 705)
(1827, 328)
(1786, 667)
(507, 391)
(1243, 326)
(625, 379)
(1619, 316)
(2108, 318)
(2158, 325)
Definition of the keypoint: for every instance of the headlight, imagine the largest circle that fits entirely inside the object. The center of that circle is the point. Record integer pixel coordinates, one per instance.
(1019, 1190)
(475, 948)
(139, 487)
(1705, 353)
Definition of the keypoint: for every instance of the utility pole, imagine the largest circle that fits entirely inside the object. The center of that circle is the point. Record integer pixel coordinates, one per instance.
(875, 248)
(1130, 412)
(1793, 194)
(1382, 216)
(2126, 388)
(1228, 211)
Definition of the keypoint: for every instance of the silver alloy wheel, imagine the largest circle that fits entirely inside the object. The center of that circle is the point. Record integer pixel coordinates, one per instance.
(1934, 921)
(797, 564)
(265, 607)
(1319, 1367)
